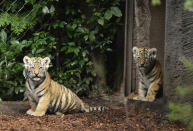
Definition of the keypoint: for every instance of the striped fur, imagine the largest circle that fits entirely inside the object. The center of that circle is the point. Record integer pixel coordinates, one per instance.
(44, 94)
(150, 74)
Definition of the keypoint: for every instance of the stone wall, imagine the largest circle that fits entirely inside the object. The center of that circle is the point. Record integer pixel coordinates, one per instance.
(178, 42)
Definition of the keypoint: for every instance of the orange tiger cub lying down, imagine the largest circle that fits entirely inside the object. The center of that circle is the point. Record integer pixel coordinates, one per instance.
(150, 74)
(44, 94)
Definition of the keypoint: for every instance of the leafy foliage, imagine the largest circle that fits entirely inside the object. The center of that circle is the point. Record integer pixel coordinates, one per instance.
(155, 2)
(188, 4)
(66, 31)
(183, 111)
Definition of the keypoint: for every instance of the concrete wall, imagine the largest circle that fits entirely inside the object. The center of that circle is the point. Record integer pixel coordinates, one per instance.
(178, 42)
(157, 30)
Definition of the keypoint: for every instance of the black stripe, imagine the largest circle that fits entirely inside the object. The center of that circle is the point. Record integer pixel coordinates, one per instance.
(66, 103)
(29, 84)
(41, 90)
(38, 93)
(39, 83)
(59, 105)
(142, 82)
(61, 100)
(50, 107)
(156, 77)
(73, 103)
(152, 75)
(159, 74)
(42, 94)
(55, 107)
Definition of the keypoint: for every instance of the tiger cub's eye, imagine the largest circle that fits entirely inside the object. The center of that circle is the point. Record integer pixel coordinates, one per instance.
(40, 66)
(32, 66)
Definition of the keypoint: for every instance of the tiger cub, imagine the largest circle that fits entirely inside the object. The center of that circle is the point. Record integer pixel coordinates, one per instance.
(150, 74)
(44, 94)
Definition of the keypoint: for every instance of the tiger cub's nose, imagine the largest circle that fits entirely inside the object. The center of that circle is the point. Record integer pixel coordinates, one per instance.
(36, 73)
(142, 64)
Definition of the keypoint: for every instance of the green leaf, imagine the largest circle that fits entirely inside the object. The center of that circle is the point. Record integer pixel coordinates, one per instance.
(45, 10)
(109, 49)
(40, 51)
(84, 53)
(52, 9)
(76, 51)
(108, 15)
(184, 91)
(101, 21)
(187, 63)
(24, 74)
(3, 35)
(86, 37)
(74, 26)
(33, 51)
(89, 63)
(92, 36)
(14, 42)
(116, 11)
(81, 30)
(71, 43)
(155, 2)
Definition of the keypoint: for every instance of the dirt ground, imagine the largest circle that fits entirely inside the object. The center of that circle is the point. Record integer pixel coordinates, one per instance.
(140, 116)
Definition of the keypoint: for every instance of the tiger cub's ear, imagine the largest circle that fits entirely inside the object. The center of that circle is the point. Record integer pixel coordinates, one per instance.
(26, 61)
(46, 62)
(153, 53)
(135, 50)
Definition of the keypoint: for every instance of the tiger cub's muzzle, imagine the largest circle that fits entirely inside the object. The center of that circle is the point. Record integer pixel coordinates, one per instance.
(143, 64)
(37, 76)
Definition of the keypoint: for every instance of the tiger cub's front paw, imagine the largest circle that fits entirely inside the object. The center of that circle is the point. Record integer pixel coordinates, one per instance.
(37, 114)
(149, 99)
(134, 96)
(30, 111)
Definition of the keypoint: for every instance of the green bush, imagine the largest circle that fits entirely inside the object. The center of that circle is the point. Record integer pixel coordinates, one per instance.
(70, 29)
(183, 112)
(188, 5)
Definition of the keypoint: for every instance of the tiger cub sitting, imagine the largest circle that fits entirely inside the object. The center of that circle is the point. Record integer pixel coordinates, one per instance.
(150, 74)
(44, 94)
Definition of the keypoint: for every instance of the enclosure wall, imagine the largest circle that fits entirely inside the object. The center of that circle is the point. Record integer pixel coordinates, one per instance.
(178, 42)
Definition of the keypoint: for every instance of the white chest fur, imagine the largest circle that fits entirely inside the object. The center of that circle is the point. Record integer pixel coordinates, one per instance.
(31, 88)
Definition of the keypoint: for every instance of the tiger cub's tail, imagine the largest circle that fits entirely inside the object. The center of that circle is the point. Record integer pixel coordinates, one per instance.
(99, 108)
(87, 108)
